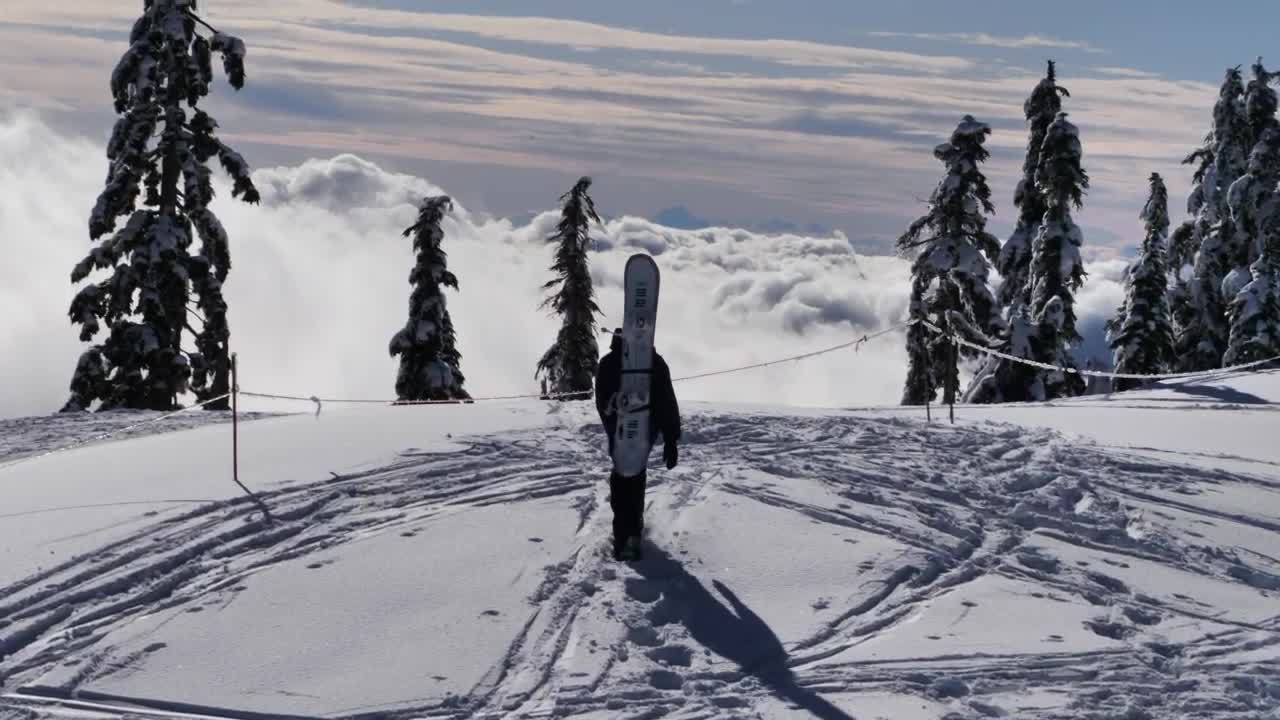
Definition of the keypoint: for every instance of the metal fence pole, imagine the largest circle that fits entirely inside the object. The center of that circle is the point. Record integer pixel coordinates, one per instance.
(235, 439)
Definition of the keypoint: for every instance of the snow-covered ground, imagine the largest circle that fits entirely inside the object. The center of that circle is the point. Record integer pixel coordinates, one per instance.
(1110, 557)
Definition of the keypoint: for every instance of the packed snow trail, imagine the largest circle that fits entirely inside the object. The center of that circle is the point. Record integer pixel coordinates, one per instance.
(800, 564)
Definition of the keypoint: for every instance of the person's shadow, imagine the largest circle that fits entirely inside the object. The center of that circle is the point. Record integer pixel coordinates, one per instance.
(738, 635)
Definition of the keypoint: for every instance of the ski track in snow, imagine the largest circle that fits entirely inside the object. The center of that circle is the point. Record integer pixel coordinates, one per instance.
(669, 637)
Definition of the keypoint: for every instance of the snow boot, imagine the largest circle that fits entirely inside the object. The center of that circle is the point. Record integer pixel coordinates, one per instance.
(630, 549)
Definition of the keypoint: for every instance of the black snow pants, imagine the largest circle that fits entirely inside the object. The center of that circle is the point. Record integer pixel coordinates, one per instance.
(626, 497)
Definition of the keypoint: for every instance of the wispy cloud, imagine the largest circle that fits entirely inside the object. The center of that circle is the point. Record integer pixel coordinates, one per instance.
(734, 127)
(1015, 42)
(1127, 72)
(574, 34)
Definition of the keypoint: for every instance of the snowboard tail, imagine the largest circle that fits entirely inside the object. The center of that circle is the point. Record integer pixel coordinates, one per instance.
(640, 313)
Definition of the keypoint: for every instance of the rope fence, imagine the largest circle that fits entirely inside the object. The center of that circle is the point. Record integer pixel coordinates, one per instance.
(856, 344)
(319, 401)
(1096, 373)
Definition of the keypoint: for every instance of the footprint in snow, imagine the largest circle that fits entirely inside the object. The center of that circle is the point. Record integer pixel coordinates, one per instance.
(1037, 561)
(945, 688)
(666, 680)
(1108, 629)
(987, 710)
(644, 636)
(1140, 616)
(678, 655)
(642, 590)
(1115, 585)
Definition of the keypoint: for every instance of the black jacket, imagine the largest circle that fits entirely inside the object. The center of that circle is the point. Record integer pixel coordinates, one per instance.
(664, 412)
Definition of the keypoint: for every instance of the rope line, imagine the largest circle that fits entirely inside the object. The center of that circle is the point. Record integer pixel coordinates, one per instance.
(111, 434)
(1095, 373)
(555, 396)
(795, 358)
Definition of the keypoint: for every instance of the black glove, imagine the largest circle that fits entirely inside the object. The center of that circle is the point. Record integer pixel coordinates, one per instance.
(670, 455)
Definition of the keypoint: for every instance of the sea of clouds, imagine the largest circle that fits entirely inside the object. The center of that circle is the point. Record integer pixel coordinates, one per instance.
(319, 285)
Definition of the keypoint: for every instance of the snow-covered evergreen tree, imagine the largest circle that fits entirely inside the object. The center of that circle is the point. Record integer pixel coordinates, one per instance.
(158, 153)
(1057, 269)
(1044, 328)
(1014, 264)
(1258, 183)
(1255, 311)
(569, 365)
(1205, 240)
(921, 385)
(1141, 334)
(1260, 102)
(998, 380)
(1250, 200)
(1255, 307)
(427, 345)
(953, 254)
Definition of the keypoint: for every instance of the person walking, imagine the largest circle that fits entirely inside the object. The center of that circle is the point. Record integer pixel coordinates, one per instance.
(626, 494)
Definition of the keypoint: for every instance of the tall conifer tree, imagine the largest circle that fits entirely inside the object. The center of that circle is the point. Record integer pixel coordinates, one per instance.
(1057, 269)
(953, 255)
(1043, 105)
(427, 345)
(1044, 329)
(1255, 308)
(568, 367)
(1000, 380)
(158, 152)
(1204, 241)
(1257, 184)
(1141, 334)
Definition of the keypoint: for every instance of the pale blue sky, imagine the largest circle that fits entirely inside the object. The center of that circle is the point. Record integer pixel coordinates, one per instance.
(1188, 39)
(820, 113)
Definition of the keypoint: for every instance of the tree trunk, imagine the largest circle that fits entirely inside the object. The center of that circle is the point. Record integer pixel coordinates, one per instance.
(951, 361)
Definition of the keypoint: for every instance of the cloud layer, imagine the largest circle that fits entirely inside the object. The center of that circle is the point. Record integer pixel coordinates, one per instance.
(319, 285)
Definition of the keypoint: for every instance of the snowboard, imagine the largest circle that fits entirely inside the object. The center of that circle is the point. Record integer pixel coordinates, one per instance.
(639, 315)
